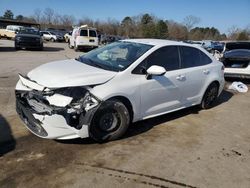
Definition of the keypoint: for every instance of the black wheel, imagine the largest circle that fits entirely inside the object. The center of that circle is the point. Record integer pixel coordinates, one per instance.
(110, 121)
(17, 47)
(52, 40)
(210, 96)
(41, 47)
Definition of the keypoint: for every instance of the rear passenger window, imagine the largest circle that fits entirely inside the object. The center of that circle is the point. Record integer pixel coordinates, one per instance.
(204, 59)
(84, 33)
(92, 33)
(167, 57)
(192, 57)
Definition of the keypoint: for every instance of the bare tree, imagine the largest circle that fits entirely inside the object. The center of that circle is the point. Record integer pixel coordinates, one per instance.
(86, 21)
(177, 31)
(37, 16)
(68, 21)
(233, 32)
(57, 20)
(49, 15)
(190, 21)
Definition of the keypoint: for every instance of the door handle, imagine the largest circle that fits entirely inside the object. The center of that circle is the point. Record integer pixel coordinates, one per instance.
(206, 71)
(180, 77)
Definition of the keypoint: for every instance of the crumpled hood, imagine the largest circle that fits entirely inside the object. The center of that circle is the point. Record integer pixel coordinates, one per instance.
(69, 73)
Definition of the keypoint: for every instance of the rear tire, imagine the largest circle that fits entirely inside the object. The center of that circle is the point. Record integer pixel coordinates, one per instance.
(75, 47)
(52, 40)
(210, 96)
(110, 121)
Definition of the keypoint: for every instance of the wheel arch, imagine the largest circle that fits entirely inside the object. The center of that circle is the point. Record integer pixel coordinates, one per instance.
(127, 103)
(211, 82)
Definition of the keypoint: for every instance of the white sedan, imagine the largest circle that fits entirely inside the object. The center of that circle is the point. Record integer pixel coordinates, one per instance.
(102, 92)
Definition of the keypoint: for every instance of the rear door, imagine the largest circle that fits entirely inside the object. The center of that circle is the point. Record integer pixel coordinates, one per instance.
(93, 39)
(195, 71)
(82, 37)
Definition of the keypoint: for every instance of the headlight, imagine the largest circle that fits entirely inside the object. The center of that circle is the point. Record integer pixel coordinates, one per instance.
(87, 103)
(75, 92)
(82, 98)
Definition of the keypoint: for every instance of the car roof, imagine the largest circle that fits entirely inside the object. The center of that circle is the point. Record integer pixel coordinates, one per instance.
(158, 42)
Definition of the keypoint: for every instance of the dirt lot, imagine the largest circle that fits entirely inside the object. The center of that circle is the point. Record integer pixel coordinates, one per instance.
(188, 148)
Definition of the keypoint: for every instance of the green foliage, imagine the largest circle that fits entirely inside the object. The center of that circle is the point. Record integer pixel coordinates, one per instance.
(19, 17)
(147, 26)
(8, 14)
(161, 30)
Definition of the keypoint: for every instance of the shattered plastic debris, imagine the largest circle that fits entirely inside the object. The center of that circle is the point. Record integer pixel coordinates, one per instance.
(238, 86)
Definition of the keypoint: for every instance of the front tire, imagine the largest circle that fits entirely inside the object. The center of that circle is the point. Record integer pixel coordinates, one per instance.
(210, 96)
(17, 47)
(110, 121)
(52, 40)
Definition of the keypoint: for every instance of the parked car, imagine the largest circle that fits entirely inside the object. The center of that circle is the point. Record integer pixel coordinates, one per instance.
(212, 46)
(83, 37)
(10, 31)
(58, 32)
(102, 92)
(48, 36)
(236, 59)
(67, 36)
(28, 38)
(51, 36)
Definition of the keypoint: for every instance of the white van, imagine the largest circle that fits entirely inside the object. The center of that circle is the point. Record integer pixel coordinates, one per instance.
(83, 37)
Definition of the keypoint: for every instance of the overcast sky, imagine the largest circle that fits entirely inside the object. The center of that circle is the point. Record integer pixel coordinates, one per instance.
(221, 14)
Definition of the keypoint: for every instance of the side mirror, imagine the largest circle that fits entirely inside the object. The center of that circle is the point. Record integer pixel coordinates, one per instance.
(41, 34)
(156, 70)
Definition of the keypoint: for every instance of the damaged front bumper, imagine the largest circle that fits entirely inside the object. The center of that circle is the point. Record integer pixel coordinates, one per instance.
(51, 114)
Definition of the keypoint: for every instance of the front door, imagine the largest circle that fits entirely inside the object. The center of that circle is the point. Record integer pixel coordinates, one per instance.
(160, 94)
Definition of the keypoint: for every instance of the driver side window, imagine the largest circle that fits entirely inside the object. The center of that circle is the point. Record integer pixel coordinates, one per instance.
(167, 57)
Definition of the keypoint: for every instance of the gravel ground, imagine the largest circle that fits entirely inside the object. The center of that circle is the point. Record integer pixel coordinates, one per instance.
(188, 148)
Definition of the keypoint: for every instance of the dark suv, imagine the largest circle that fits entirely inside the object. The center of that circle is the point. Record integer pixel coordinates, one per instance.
(28, 38)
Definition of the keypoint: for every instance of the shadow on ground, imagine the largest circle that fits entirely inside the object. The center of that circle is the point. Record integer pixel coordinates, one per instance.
(144, 126)
(45, 49)
(245, 81)
(52, 49)
(7, 141)
(7, 49)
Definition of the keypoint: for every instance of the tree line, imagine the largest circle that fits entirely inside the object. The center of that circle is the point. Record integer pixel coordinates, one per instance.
(140, 26)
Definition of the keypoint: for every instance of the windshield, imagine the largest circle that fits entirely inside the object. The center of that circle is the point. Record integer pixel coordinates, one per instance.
(116, 56)
(29, 31)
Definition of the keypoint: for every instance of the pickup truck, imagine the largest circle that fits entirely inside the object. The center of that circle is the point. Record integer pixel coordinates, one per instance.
(10, 31)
